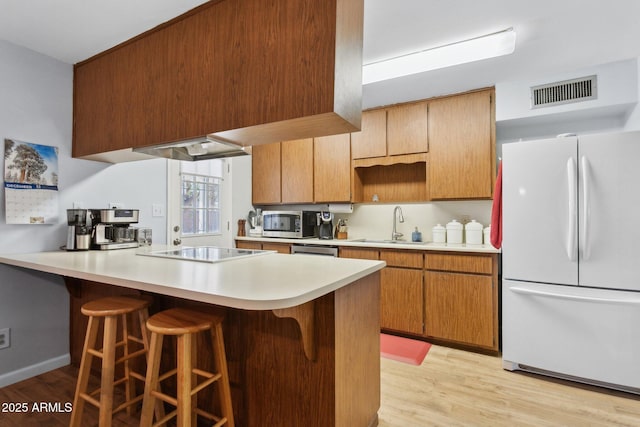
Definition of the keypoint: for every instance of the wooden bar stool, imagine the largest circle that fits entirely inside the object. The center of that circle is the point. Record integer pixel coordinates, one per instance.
(185, 325)
(110, 309)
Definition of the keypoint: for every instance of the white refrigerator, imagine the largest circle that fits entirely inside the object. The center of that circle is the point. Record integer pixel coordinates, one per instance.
(571, 258)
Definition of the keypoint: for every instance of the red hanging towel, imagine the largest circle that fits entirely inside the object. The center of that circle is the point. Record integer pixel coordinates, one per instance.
(496, 211)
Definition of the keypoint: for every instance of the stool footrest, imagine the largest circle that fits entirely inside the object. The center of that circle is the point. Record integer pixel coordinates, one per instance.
(165, 397)
(135, 339)
(166, 418)
(90, 399)
(131, 355)
(218, 420)
(125, 405)
(137, 376)
(167, 374)
(212, 378)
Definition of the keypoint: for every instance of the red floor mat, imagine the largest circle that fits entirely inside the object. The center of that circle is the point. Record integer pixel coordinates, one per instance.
(403, 349)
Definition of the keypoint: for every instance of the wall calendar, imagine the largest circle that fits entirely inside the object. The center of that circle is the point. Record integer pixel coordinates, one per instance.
(30, 183)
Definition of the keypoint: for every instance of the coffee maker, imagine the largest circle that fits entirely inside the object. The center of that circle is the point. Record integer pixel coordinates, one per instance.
(325, 225)
(78, 232)
(110, 228)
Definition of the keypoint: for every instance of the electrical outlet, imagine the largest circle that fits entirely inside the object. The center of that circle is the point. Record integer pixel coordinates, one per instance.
(5, 338)
(157, 210)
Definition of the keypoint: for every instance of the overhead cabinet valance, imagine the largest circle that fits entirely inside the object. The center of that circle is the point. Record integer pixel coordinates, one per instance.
(245, 71)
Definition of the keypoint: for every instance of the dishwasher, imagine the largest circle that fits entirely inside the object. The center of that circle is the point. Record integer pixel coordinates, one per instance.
(323, 250)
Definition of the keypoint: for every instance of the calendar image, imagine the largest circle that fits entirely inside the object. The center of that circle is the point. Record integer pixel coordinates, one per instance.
(30, 183)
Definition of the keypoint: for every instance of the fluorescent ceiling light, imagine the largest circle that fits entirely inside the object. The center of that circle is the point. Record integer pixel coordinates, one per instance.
(489, 46)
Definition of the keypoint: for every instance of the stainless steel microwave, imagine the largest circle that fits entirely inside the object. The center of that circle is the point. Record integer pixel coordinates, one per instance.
(289, 224)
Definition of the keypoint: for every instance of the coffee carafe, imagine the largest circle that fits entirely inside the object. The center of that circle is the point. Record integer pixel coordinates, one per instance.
(78, 232)
(325, 225)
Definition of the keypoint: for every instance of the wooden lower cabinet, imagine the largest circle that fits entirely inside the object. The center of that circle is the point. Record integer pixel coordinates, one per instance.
(283, 248)
(459, 307)
(243, 244)
(448, 297)
(401, 300)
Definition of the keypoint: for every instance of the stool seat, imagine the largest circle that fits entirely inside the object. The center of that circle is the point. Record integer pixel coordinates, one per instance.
(111, 311)
(179, 321)
(185, 325)
(113, 306)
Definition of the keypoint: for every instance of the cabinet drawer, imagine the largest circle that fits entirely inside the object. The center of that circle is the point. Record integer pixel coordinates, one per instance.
(479, 264)
(243, 244)
(358, 253)
(402, 259)
(283, 248)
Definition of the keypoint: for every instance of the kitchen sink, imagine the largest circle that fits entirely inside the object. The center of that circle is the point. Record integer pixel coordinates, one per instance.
(388, 241)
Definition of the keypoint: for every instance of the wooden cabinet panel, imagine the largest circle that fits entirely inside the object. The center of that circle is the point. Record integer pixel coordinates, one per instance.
(371, 141)
(460, 307)
(462, 146)
(265, 174)
(332, 168)
(359, 253)
(480, 264)
(296, 167)
(282, 248)
(402, 258)
(407, 129)
(401, 300)
(243, 244)
(204, 73)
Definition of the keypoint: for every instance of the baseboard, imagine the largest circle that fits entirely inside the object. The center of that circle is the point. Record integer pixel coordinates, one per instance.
(33, 370)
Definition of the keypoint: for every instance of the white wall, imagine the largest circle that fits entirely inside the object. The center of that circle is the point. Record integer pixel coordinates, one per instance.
(615, 110)
(241, 193)
(633, 122)
(36, 106)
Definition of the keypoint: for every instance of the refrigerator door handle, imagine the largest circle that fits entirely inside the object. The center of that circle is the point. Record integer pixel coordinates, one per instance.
(573, 215)
(524, 291)
(586, 252)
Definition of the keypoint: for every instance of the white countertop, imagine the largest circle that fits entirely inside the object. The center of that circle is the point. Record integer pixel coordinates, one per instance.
(419, 246)
(263, 282)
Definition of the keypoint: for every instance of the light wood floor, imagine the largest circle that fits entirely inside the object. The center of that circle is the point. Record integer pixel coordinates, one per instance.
(451, 388)
(458, 388)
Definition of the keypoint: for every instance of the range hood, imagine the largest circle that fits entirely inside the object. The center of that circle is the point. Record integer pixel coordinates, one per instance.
(204, 148)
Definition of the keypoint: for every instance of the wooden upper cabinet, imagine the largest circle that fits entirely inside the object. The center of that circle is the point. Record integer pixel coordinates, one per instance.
(265, 174)
(462, 146)
(236, 69)
(332, 168)
(407, 129)
(297, 164)
(371, 141)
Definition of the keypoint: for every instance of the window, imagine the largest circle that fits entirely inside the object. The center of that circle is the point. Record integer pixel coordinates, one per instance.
(201, 184)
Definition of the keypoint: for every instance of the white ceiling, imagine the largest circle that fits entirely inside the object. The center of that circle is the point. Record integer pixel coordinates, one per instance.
(553, 36)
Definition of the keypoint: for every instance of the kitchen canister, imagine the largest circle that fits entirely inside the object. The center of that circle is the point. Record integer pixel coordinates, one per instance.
(439, 234)
(487, 235)
(454, 233)
(473, 233)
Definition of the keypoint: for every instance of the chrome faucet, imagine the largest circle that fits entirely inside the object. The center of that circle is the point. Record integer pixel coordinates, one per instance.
(395, 235)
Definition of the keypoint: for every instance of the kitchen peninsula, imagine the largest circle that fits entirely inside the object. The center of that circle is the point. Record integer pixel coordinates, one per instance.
(302, 332)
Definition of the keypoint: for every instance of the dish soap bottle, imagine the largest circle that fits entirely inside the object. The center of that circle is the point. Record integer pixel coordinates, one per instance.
(416, 236)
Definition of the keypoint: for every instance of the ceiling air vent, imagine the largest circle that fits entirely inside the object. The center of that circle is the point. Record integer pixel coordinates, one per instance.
(565, 92)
